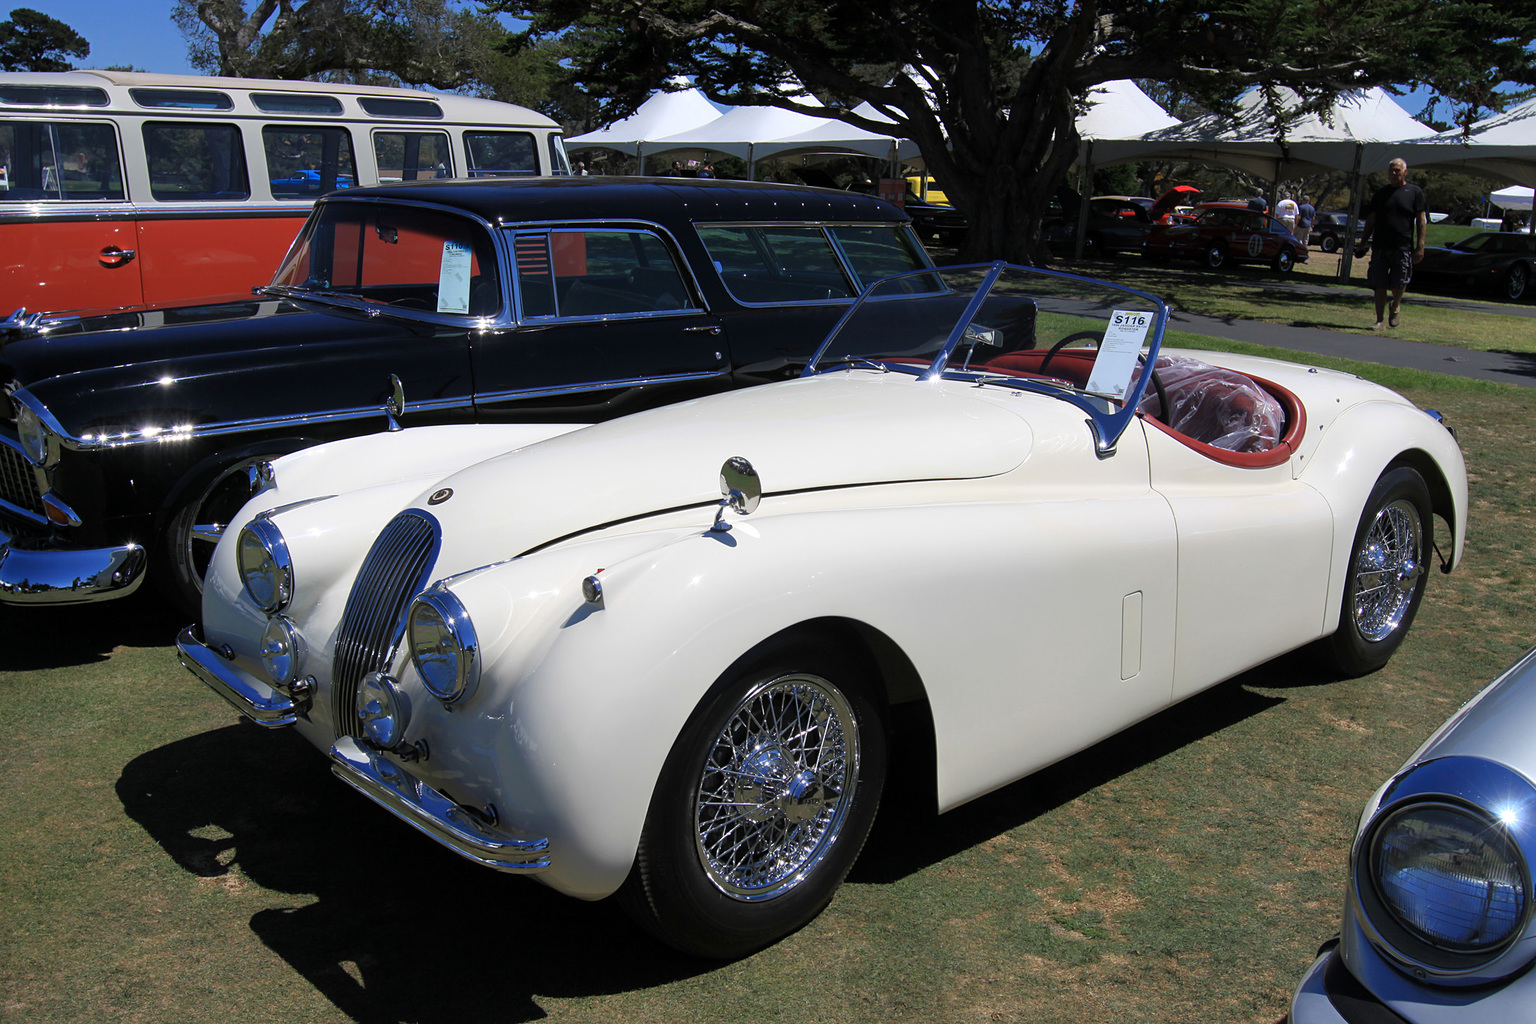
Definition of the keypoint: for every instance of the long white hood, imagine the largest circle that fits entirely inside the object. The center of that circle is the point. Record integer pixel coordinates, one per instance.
(858, 427)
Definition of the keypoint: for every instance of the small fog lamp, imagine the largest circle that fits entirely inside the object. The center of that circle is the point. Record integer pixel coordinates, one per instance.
(281, 651)
(384, 710)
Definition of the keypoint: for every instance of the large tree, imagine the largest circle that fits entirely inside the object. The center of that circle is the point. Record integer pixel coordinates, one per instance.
(32, 41)
(989, 89)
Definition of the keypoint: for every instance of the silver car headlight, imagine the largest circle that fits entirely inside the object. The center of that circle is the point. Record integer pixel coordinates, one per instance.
(444, 648)
(266, 570)
(1442, 874)
(384, 710)
(38, 443)
(282, 651)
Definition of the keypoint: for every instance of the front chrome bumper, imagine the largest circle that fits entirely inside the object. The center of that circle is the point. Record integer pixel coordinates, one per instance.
(430, 812)
(254, 699)
(38, 574)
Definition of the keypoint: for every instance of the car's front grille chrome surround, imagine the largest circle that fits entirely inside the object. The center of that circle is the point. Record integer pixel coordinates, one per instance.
(396, 570)
(18, 479)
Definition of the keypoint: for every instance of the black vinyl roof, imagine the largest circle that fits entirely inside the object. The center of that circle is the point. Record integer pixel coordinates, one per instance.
(661, 200)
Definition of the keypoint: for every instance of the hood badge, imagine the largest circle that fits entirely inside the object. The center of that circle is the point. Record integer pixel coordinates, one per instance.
(440, 496)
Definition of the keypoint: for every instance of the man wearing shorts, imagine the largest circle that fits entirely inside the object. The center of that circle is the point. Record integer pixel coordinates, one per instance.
(1395, 223)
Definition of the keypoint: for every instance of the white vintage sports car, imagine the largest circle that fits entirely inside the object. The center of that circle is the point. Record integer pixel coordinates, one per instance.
(558, 651)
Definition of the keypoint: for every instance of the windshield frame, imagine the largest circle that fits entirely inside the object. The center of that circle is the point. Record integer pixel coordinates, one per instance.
(1107, 418)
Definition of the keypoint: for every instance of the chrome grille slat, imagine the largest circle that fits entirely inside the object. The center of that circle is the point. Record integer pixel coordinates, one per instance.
(18, 482)
(396, 569)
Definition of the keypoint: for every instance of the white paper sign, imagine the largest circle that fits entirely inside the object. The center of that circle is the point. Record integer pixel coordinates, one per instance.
(453, 279)
(1112, 369)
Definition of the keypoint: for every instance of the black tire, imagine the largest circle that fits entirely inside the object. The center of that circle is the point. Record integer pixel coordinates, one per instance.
(1330, 243)
(194, 527)
(1518, 283)
(1216, 255)
(1388, 568)
(1284, 262)
(722, 877)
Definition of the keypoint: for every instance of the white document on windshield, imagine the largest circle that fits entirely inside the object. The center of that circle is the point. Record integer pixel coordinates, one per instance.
(1116, 360)
(453, 279)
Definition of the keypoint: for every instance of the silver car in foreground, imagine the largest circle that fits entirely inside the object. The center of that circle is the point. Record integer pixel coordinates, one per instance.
(1438, 920)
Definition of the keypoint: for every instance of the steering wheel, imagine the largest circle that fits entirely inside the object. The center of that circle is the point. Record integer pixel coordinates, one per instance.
(1094, 336)
(1160, 391)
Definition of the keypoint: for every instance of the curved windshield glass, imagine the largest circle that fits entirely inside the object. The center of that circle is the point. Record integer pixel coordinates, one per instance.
(1074, 338)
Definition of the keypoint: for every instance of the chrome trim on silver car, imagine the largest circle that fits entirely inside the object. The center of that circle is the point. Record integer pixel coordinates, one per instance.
(256, 700)
(430, 812)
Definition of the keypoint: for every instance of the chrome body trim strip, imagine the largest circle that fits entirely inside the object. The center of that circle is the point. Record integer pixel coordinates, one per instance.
(50, 575)
(433, 814)
(254, 699)
(153, 435)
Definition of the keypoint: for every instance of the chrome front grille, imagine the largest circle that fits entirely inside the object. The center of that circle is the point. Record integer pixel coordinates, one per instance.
(396, 570)
(18, 480)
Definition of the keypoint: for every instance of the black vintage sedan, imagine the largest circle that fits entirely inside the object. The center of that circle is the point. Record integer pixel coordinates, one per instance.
(1499, 261)
(127, 441)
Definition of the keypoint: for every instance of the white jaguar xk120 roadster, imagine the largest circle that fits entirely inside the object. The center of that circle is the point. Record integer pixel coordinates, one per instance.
(557, 650)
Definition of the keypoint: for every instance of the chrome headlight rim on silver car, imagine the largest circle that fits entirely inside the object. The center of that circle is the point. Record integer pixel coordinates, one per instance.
(1448, 818)
(443, 645)
(266, 568)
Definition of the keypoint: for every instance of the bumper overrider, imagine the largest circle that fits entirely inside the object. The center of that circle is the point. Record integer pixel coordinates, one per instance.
(32, 571)
(463, 830)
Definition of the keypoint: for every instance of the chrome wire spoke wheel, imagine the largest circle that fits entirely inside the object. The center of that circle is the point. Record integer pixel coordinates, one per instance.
(1387, 569)
(776, 786)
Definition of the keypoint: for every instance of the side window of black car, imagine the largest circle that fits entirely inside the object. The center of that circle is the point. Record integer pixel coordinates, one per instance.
(598, 272)
(776, 263)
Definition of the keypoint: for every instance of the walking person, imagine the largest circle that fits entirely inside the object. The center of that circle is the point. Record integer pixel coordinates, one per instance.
(1395, 224)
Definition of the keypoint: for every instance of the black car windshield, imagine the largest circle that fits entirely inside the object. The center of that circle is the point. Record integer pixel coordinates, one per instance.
(407, 258)
(1070, 337)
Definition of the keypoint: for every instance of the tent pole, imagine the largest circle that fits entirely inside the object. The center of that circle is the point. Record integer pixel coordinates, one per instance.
(1356, 182)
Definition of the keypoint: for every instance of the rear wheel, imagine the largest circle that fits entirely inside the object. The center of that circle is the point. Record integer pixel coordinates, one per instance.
(1388, 568)
(762, 806)
(1330, 243)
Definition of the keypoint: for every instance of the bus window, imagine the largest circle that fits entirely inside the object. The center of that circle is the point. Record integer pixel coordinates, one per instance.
(412, 156)
(306, 162)
(59, 160)
(195, 161)
(501, 154)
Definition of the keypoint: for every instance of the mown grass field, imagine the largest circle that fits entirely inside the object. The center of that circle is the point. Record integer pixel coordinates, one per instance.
(162, 862)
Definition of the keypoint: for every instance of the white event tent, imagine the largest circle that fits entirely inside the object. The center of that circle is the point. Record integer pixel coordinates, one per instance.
(663, 113)
(1120, 110)
(1502, 146)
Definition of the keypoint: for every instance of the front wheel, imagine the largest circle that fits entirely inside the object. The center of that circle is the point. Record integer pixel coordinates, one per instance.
(1518, 282)
(1388, 568)
(1284, 262)
(762, 806)
(1216, 256)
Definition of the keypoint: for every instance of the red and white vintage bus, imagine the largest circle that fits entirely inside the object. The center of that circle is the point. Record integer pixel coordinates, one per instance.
(126, 191)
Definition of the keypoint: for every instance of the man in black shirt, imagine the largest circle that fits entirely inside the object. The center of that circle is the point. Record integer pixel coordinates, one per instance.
(1395, 223)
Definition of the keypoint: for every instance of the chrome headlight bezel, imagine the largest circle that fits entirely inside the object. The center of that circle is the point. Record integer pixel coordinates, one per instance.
(266, 568)
(282, 651)
(443, 645)
(383, 709)
(39, 443)
(1476, 796)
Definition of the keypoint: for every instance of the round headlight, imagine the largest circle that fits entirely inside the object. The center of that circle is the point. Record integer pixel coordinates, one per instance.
(281, 651)
(384, 710)
(33, 434)
(265, 568)
(1451, 877)
(443, 645)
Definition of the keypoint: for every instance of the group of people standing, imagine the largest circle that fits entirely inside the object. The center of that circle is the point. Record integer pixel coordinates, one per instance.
(1297, 217)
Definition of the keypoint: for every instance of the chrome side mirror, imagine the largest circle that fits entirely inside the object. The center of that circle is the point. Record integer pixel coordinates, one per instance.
(742, 489)
(394, 405)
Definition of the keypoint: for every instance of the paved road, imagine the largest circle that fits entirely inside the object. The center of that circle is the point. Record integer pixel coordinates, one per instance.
(1505, 367)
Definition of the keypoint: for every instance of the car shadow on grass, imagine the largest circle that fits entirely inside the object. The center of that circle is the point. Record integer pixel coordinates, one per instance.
(390, 927)
(36, 637)
(384, 923)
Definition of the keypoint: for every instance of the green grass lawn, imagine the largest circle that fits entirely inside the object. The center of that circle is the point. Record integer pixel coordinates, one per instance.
(164, 863)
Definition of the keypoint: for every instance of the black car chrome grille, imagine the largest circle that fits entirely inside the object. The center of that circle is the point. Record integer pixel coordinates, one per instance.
(395, 571)
(18, 482)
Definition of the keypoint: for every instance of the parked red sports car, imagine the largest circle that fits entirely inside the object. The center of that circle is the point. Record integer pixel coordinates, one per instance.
(1224, 233)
